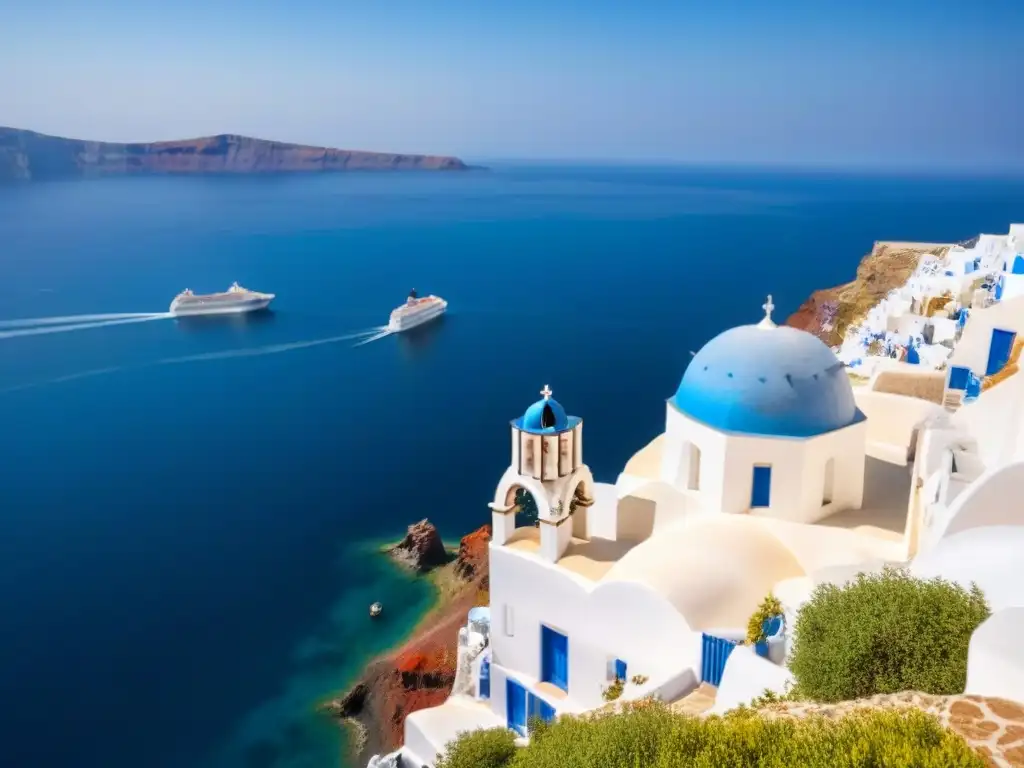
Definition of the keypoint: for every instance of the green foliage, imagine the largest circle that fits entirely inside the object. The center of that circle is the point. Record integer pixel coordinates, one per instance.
(884, 633)
(614, 690)
(491, 748)
(639, 679)
(768, 608)
(770, 697)
(650, 735)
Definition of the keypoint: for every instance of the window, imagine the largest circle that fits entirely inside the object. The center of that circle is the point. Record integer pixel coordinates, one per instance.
(830, 480)
(616, 669)
(510, 629)
(761, 487)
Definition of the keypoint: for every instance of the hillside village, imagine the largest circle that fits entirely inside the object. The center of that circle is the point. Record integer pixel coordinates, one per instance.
(784, 464)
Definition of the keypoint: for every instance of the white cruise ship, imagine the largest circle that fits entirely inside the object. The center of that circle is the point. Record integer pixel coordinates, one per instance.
(234, 299)
(416, 311)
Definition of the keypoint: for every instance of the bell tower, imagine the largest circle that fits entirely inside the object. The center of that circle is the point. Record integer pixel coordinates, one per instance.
(547, 462)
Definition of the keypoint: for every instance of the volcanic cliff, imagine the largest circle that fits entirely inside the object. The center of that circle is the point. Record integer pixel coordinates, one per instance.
(28, 156)
(421, 673)
(829, 312)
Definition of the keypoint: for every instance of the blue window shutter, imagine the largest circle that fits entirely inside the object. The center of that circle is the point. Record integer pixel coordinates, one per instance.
(620, 669)
(761, 491)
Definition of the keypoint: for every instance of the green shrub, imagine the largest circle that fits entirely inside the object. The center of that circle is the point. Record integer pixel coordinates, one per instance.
(649, 735)
(884, 633)
(614, 690)
(491, 748)
(769, 608)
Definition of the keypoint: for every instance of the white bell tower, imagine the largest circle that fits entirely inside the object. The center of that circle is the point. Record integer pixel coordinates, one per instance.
(547, 461)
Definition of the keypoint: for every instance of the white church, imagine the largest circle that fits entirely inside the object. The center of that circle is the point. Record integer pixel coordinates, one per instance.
(772, 476)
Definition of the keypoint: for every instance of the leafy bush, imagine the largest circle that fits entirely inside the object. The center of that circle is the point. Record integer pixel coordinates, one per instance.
(885, 633)
(769, 608)
(614, 690)
(652, 736)
(491, 748)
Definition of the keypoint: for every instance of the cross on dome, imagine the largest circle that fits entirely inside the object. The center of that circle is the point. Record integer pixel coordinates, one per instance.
(546, 392)
(767, 322)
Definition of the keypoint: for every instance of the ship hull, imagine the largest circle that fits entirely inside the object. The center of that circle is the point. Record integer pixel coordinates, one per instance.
(414, 321)
(191, 310)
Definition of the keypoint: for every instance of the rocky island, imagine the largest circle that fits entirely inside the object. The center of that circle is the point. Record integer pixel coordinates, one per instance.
(30, 156)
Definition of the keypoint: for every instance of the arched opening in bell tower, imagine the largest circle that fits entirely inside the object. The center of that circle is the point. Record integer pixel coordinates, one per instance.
(547, 417)
(526, 515)
(582, 500)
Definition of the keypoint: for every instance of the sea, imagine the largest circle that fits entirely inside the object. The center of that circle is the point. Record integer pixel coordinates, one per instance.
(191, 512)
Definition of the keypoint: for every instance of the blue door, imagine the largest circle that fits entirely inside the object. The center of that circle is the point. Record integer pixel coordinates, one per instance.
(554, 658)
(999, 287)
(540, 708)
(762, 491)
(999, 350)
(485, 679)
(515, 706)
(714, 653)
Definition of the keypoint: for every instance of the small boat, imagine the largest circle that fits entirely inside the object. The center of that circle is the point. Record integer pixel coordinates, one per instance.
(375, 610)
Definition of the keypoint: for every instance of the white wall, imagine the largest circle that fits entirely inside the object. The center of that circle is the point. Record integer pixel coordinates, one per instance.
(995, 657)
(798, 468)
(798, 473)
(746, 677)
(680, 433)
(613, 620)
(995, 498)
(989, 557)
(972, 349)
(994, 419)
(891, 421)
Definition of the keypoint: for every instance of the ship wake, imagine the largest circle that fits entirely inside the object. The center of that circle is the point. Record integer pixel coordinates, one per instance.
(45, 325)
(374, 335)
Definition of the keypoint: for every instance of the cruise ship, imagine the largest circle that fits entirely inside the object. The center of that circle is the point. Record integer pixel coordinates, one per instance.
(234, 299)
(416, 311)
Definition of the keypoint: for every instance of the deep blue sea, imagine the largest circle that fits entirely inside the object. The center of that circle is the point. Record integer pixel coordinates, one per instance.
(190, 511)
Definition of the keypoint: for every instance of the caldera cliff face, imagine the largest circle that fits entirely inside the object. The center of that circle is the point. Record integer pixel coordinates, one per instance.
(30, 156)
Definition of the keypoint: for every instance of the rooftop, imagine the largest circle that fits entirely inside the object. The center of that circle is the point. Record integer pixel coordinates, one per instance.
(589, 559)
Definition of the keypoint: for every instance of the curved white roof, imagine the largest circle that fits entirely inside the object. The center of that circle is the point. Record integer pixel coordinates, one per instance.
(714, 570)
(989, 556)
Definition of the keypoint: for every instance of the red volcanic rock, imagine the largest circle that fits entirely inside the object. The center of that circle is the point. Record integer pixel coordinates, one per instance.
(471, 562)
(421, 673)
(26, 155)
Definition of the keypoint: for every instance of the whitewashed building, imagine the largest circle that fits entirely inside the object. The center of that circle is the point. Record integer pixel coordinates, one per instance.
(772, 475)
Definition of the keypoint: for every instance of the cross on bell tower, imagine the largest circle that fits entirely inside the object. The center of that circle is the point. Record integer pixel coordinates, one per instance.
(546, 392)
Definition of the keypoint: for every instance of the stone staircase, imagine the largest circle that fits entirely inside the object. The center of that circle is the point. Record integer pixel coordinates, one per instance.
(696, 702)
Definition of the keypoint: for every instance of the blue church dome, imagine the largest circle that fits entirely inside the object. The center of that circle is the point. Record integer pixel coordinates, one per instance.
(767, 380)
(546, 416)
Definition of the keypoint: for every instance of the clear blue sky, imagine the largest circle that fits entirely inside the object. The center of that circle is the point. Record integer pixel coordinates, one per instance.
(930, 82)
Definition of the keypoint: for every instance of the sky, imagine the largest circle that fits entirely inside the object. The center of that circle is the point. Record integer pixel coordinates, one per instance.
(886, 83)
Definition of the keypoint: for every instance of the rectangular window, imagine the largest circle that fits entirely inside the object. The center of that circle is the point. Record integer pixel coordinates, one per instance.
(616, 669)
(510, 629)
(761, 491)
(620, 669)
